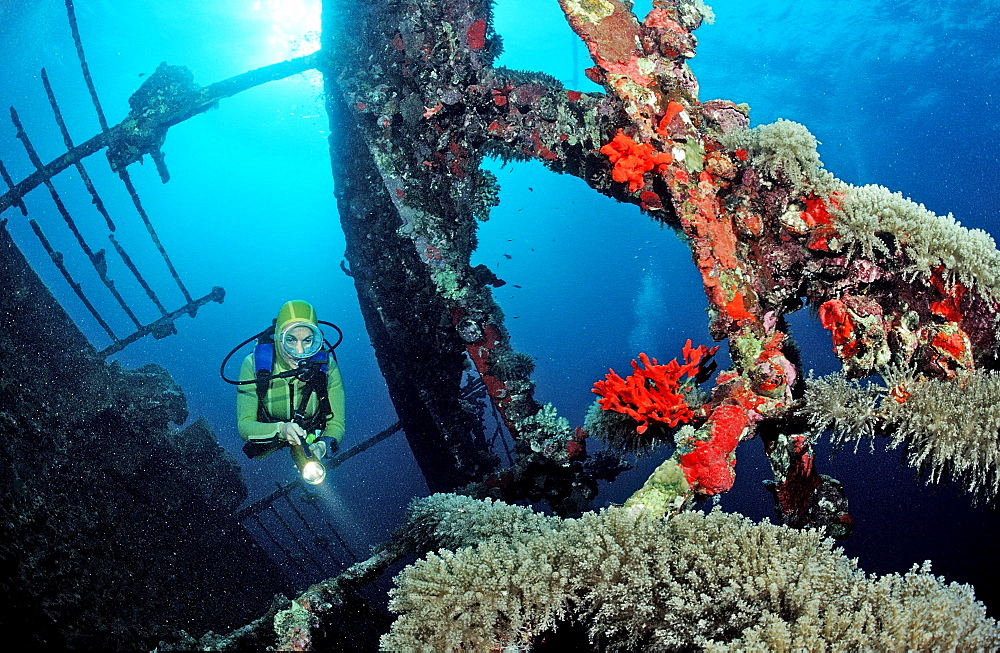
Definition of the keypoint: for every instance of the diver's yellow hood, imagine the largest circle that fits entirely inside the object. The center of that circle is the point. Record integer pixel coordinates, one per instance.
(294, 311)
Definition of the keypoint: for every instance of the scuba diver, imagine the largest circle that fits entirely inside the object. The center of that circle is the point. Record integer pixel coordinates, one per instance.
(290, 392)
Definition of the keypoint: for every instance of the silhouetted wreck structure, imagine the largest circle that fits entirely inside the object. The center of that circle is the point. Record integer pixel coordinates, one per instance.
(114, 523)
(148, 118)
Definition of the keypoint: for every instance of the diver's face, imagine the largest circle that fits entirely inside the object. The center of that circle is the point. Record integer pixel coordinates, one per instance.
(296, 343)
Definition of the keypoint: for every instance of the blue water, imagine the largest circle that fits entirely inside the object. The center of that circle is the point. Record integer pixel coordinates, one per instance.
(901, 94)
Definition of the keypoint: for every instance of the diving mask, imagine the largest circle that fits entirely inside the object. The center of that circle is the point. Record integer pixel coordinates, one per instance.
(300, 341)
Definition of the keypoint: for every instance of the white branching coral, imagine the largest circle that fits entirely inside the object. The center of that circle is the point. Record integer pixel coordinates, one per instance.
(843, 406)
(784, 151)
(919, 621)
(953, 427)
(547, 420)
(950, 427)
(714, 581)
(451, 521)
(874, 220)
(704, 12)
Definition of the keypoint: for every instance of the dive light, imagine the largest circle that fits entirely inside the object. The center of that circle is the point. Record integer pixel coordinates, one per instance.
(310, 468)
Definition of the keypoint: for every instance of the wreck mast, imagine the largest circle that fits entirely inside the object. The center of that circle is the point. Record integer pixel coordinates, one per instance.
(418, 351)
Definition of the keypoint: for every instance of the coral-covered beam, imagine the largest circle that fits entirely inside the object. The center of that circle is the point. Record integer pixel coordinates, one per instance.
(642, 64)
(428, 112)
(671, 155)
(767, 227)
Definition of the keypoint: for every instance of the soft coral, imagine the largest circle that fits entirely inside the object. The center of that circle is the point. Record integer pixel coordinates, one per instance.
(633, 160)
(653, 392)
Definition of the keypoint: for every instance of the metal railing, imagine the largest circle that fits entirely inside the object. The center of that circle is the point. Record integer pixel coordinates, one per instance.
(310, 548)
(161, 327)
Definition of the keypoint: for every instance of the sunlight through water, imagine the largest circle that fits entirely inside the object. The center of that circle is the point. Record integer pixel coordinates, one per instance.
(294, 27)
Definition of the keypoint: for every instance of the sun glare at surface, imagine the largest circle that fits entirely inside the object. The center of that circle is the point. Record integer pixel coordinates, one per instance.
(294, 26)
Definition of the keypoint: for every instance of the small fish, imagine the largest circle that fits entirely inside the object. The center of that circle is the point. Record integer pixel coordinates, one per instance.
(142, 74)
(516, 286)
(507, 256)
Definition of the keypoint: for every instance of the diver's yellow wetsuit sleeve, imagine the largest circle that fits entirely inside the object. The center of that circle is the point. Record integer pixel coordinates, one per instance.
(246, 408)
(335, 390)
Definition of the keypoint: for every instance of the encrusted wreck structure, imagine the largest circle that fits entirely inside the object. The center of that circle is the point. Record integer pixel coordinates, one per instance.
(415, 105)
(113, 521)
(904, 293)
(418, 105)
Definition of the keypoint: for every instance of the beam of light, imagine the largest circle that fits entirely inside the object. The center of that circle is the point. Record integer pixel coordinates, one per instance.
(336, 505)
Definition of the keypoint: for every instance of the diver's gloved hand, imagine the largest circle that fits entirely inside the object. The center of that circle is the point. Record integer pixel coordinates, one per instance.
(291, 432)
(324, 448)
(318, 449)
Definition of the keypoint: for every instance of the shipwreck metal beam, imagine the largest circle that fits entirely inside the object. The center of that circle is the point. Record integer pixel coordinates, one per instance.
(411, 121)
(418, 352)
(173, 110)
